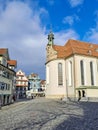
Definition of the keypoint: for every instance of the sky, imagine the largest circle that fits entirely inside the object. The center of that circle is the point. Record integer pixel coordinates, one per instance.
(25, 24)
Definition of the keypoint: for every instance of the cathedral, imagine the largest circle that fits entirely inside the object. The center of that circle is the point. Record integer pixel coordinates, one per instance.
(71, 70)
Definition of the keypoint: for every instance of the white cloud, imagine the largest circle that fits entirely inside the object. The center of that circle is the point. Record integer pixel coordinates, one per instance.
(75, 3)
(62, 37)
(70, 19)
(23, 33)
(92, 34)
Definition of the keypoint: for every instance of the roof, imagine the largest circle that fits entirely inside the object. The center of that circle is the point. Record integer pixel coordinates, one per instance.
(12, 62)
(43, 81)
(20, 73)
(76, 47)
(34, 75)
(4, 52)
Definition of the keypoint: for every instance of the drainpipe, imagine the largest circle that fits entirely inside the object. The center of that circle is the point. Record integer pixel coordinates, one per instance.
(66, 89)
(74, 77)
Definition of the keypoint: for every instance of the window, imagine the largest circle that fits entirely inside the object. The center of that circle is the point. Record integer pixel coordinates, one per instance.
(82, 72)
(8, 86)
(69, 73)
(4, 62)
(60, 74)
(34, 85)
(92, 73)
(16, 88)
(21, 88)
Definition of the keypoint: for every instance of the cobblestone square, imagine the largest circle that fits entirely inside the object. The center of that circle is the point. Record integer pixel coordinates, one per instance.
(46, 114)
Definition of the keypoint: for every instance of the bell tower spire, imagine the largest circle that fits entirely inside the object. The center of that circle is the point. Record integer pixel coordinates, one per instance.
(50, 38)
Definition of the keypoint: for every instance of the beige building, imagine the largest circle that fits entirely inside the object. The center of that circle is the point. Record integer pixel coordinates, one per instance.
(71, 70)
(21, 84)
(7, 77)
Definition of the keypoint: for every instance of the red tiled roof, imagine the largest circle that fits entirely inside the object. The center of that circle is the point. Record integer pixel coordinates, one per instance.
(43, 81)
(12, 62)
(3, 51)
(34, 75)
(76, 47)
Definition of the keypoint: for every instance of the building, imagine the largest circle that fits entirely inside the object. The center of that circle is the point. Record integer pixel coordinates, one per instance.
(21, 84)
(71, 70)
(34, 85)
(43, 85)
(7, 77)
(34, 81)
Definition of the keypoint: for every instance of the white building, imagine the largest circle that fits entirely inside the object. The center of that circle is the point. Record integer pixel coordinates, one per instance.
(71, 70)
(7, 77)
(21, 84)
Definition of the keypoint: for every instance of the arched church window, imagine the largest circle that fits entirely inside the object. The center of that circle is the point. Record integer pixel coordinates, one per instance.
(70, 73)
(60, 74)
(92, 73)
(82, 71)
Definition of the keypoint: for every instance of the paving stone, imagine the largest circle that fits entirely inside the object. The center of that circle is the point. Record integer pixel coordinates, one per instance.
(46, 114)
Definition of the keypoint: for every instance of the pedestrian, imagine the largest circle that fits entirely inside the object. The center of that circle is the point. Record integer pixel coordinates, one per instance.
(79, 96)
(79, 99)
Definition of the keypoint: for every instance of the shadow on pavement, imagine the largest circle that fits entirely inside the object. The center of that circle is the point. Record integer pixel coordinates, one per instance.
(87, 121)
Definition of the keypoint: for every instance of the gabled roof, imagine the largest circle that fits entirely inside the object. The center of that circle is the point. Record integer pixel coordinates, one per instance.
(76, 47)
(20, 73)
(12, 62)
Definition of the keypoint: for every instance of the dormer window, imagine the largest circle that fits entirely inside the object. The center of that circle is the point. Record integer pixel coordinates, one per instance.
(89, 52)
(96, 49)
(91, 46)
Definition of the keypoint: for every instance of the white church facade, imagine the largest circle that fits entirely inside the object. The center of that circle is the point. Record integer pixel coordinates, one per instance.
(71, 70)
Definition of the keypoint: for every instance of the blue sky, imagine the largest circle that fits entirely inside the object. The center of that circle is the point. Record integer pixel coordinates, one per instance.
(25, 24)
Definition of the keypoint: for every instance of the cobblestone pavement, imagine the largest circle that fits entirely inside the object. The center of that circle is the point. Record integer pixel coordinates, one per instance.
(45, 114)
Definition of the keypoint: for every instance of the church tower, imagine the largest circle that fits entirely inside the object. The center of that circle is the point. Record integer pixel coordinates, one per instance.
(50, 52)
(50, 38)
